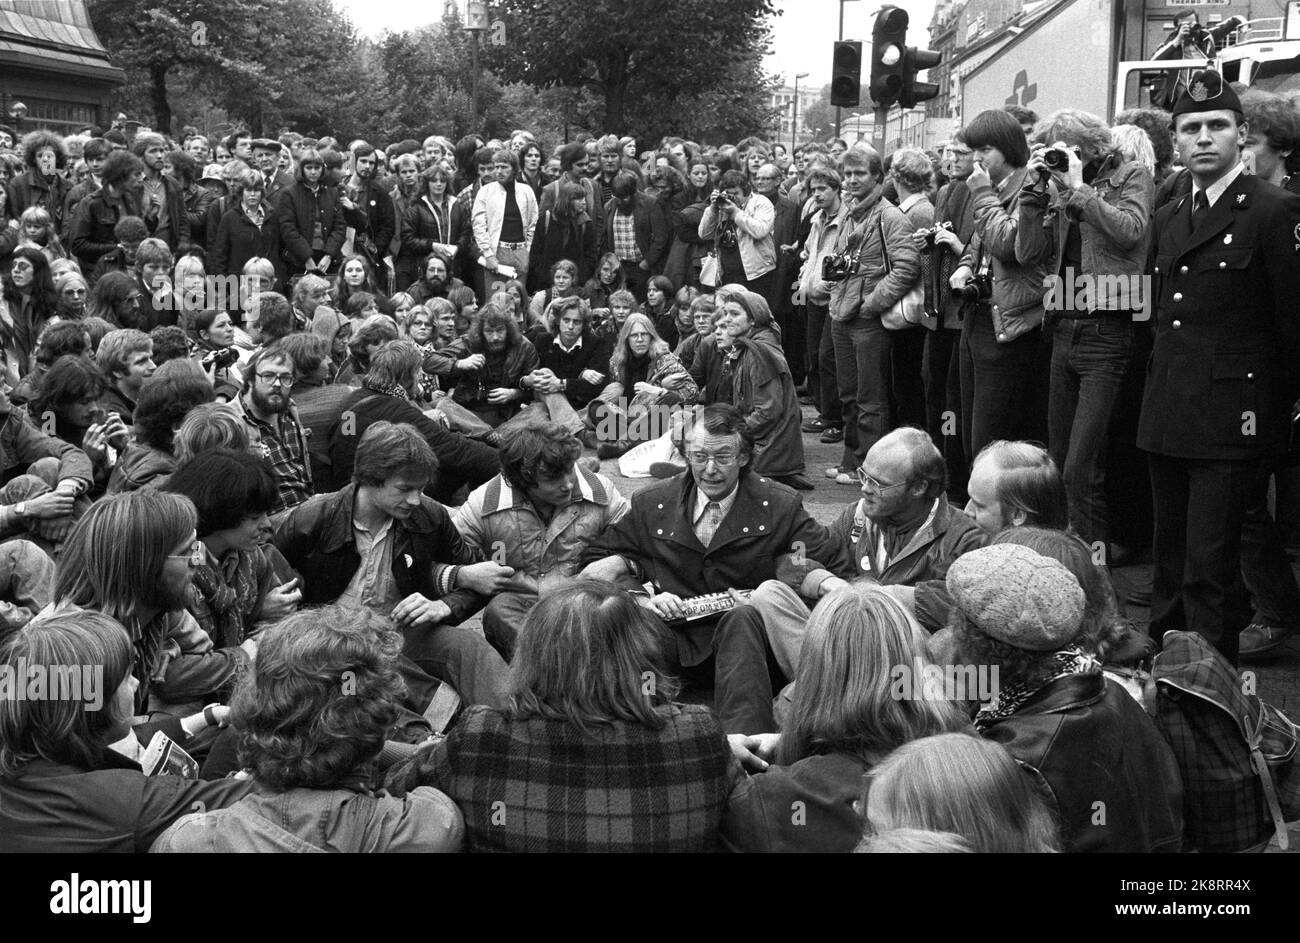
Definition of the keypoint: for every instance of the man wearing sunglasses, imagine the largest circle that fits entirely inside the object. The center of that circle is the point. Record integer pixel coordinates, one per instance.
(901, 533)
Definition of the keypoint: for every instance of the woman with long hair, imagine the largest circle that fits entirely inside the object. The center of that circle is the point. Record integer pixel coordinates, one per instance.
(356, 276)
(29, 302)
(963, 785)
(608, 279)
(248, 229)
(425, 224)
(566, 231)
(588, 754)
(845, 717)
(115, 299)
(661, 308)
(564, 284)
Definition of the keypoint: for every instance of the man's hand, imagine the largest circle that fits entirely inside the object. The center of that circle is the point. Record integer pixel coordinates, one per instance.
(666, 605)
(72, 487)
(606, 568)
(948, 238)
(648, 389)
(491, 264)
(979, 177)
(50, 505)
(249, 645)
(829, 586)
(281, 601)
(55, 530)
(416, 610)
(486, 578)
(1184, 31)
(754, 751)
(324, 264)
(592, 377)
(644, 265)
(503, 394)
(472, 362)
(961, 277)
(95, 443)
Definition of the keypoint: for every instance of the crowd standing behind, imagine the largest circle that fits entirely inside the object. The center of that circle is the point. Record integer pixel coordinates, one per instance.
(279, 416)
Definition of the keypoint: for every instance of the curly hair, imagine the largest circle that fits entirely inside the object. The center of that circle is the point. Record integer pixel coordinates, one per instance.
(36, 141)
(537, 450)
(320, 699)
(164, 402)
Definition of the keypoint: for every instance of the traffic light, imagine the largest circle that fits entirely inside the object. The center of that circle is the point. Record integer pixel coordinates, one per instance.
(914, 61)
(846, 74)
(888, 46)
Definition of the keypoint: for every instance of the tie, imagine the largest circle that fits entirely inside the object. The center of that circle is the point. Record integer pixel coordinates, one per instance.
(1200, 207)
(709, 522)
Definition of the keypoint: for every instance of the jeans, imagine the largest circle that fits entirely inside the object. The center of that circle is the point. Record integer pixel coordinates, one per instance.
(1089, 357)
(1003, 385)
(1265, 566)
(26, 582)
(821, 366)
(504, 617)
(909, 382)
(863, 351)
(941, 367)
(461, 658)
(745, 673)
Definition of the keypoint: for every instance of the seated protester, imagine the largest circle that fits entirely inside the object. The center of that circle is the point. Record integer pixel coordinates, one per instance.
(386, 394)
(707, 370)
(216, 352)
(125, 357)
(715, 528)
(466, 305)
(356, 276)
(153, 267)
(131, 558)
(58, 339)
(269, 411)
(607, 280)
(761, 387)
(116, 299)
(319, 402)
(1015, 483)
(191, 292)
(164, 402)
(61, 787)
(680, 311)
(564, 283)
(73, 293)
(487, 366)
(536, 517)
(700, 311)
(643, 375)
(269, 318)
(622, 305)
(435, 280)
(572, 365)
(213, 426)
(661, 308)
(26, 577)
(311, 296)
(368, 335)
(68, 404)
(902, 533)
(379, 543)
(845, 717)
(311, 788)
(1080, 740)
(430, 329)
(961, 785)
(235, 586)
(566, 232)
(128, 232)
(584, 754)
(336, 330)
(29, 302)
(170, 343)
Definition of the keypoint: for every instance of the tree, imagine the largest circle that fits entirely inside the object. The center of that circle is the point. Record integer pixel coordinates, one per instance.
(644, 57)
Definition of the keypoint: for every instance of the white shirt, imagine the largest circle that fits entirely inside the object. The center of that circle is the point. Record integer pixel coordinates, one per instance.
(1216, 189)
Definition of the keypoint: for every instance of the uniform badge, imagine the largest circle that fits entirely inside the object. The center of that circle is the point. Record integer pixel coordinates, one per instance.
(1198, 92)
(1227, 240)
(866, 564)
(1241, 198)
(1297, 232)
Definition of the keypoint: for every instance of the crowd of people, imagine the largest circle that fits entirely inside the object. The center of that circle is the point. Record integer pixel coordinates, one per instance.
(282, 416)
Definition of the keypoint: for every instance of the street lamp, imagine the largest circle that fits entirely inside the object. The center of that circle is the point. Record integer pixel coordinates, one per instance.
(841, 39)
(794, 123)
(476, 22)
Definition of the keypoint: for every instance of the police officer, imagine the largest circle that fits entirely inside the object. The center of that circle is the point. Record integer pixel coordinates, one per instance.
(1225, 261)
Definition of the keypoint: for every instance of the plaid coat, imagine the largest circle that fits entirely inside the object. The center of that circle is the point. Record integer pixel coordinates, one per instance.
(540, 785)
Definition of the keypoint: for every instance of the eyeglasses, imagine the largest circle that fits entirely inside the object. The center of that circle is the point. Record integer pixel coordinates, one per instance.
(195, 555)
(721, 459)
(871, 484)
(275, 379)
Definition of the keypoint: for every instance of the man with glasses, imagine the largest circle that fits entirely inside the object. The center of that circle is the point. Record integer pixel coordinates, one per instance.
(268, 409)
(902, 533)
(715, 528)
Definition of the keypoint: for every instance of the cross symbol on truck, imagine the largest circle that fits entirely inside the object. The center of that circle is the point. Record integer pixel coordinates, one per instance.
(1022, 93)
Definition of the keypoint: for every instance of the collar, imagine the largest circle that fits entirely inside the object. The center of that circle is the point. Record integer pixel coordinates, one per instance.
(376, 537)
(702, 502)
(577, 345)
(1217, 189)
(500, 495)
(911, 201)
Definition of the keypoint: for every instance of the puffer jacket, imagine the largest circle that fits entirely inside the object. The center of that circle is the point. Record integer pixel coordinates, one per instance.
(321, 820)
(1018, 269)
(1114, 216)
(498, 520)
(874, 285)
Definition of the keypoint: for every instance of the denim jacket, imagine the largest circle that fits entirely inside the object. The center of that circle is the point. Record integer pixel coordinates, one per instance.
(1018, 267)
(1114, 214)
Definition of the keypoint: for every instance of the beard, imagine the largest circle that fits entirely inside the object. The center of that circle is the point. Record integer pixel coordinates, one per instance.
(436, 285)
(276, 402)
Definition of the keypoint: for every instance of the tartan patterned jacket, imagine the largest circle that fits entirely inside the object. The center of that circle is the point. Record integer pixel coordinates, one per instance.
(540, 785)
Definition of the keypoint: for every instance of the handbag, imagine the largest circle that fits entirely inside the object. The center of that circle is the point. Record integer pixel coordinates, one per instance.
(908, 311)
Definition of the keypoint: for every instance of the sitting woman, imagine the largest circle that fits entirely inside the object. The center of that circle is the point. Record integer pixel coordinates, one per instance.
(367, 336)
(962, 785)
(643, 374)
(235, 587)
(216, 352)
(844, 719)
(72, 293)
(69, 394)
(310, 741)
(58, 339)
(215, 426)
(359, 306)
(586, 756)
(163, 404)
(661, 308)
(356, 276)
(608, 279)
(190, 294)
(762, 387)
(564, 284)
(61, 787)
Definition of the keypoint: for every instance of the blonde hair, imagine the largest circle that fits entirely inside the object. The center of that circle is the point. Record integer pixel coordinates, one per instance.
(1134, 144)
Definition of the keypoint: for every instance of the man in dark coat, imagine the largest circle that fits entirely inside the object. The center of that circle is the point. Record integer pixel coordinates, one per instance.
(98, 214)
(714, 528)
(162, 200)
(266, 161)
(632, 213)
(1225, 263)
(41, 184)
(368, 209)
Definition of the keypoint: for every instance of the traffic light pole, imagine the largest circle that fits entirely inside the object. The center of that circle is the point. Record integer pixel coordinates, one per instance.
(878, 130)
(840, 38)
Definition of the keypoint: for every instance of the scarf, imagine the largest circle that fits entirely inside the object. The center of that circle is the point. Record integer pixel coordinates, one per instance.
(1011, 697)
(387, 389)
(229, 592)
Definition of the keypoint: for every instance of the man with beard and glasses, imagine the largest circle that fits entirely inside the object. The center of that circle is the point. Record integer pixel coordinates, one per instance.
(162, 201)
(266, 161)
(368, 208)
(269, 411)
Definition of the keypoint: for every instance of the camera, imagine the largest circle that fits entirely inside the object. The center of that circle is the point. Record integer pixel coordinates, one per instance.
(219, 359)
(1058, 158)
(979, 288)
(930, 233)
(835, 268)
(721, 200)
(1197, 34)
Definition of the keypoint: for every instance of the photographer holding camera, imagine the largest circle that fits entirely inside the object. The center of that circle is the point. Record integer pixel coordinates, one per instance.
(741, 221)
(1003, 354)
(1093, 210)
(1190, 40)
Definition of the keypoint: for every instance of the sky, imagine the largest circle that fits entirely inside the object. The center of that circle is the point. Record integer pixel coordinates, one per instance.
(803, 35)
